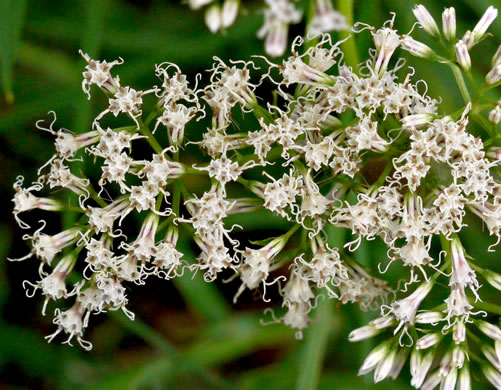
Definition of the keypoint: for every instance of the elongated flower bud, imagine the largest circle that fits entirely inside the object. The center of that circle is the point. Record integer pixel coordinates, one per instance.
(449, 23)
(462, 55)
(426, 20)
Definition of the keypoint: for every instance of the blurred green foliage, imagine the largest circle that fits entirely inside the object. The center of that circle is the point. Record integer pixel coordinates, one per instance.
(195, 338)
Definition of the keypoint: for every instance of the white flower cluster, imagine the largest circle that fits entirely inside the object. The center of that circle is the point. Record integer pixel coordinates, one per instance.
(278, 15)
(362, 150)
(441, 141)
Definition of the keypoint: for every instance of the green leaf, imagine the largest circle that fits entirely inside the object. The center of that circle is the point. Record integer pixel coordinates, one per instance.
(5, 244)
(13, 12)
(202, 297)
(236, 337)
(140, 375)
(311, 361)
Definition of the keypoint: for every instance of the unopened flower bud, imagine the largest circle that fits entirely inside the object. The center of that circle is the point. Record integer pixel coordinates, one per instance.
(383, 322)
(493, 278)
(458, 357)
(420, 365)
(374, 357)
(429, 317)
(449, 382)
(483, 24)
(462, 55)
(494, 76)
(383, 369)
(197, 4)
(496, 58)
(213, 18)
(449, 23)
(229, 13)
(468, 39)
(413, 121)
(432, 381)
(495, 115)
(492, 375)
(445, 364)
(464, 379)
(417, 48)
(491, 355)
(490, 330)
(426, 20)
(459, 332)
(363, 333)
(429, 340)
(399, 362)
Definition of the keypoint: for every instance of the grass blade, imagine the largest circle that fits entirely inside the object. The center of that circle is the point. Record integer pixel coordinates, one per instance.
(13, 12)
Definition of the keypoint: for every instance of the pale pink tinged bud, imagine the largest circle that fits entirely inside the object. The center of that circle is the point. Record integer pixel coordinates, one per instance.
(417, 48)
(405, 309)
(415, 361)
(420, 365)
(494, 76)
(449, 23)
(464, 380)
(275, 43)
(491, 355)
(432, 381)
(426, 20)
(429, 317)
(399, 362)
(483, 24)
(497, 346)
(413, 121)
(462, 55)
(458, 357)
(490, 330)
(384, 367)
(450, 380)
(468, 39)
(495, 115)
(197, 4)
(493, 278)
(374, 357)
(445, 364)
(492, 375)
(459, 332)
(382, 322)
(363, 333)
(230, 12)
(496, 58)
(429, 340)
(213, 18)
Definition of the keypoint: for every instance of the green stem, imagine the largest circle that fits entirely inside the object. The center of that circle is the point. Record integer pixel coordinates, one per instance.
(192, 171)
(484, 123)
(95, 196)
(144, 130)
(291, 231)
(310, 366)
(152, 116)
(461, 83)
(309, 17)
(260, 112)
(488, 307)
(349, 47)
